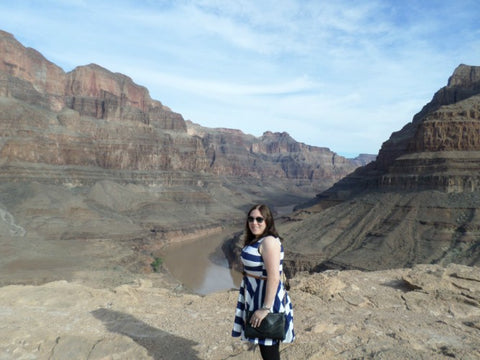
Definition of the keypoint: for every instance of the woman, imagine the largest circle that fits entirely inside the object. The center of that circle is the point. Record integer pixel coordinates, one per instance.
(261, 289)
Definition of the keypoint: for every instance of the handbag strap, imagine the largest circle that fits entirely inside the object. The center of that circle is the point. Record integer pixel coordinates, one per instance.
(254, 276)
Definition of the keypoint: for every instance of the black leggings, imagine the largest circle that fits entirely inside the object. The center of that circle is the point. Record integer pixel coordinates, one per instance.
(271, 352)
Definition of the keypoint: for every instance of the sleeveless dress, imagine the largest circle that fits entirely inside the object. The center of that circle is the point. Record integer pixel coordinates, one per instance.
(252, 293)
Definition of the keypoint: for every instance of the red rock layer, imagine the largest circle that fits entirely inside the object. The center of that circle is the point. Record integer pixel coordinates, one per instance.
(91, 117)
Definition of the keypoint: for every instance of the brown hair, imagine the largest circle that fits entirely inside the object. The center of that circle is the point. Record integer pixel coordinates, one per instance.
(249, 238)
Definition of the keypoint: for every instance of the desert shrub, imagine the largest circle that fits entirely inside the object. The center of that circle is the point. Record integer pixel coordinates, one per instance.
(156, 264)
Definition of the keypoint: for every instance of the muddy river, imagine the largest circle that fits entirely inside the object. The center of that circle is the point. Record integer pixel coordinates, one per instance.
(201, 265)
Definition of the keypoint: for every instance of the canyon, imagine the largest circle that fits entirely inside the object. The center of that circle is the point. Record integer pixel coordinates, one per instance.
(97, 179)
(87, 156)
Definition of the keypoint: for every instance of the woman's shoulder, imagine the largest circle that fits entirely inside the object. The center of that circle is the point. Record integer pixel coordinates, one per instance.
(270, 241)
(270, 238)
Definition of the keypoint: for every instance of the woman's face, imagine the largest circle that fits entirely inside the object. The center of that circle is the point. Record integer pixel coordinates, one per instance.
(256, 222)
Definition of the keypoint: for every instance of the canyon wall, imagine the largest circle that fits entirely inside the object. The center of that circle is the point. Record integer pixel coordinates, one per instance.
(95, 118)
(416, 204)
(88, 155)
(438, 149)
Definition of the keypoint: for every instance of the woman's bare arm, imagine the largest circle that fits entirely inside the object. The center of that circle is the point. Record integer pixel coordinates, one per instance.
(270, 250)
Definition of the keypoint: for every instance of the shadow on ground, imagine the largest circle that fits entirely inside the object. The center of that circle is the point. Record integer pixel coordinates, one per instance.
(160, 344)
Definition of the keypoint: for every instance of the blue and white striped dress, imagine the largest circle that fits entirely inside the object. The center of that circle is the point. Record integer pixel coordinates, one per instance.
(252, 293)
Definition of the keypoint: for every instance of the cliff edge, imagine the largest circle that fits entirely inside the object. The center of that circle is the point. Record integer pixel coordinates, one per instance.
(427, 312)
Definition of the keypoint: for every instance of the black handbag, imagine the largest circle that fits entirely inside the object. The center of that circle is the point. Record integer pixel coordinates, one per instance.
(271, 327)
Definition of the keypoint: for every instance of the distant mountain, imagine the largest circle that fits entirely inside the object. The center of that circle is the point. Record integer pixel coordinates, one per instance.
(416, 203)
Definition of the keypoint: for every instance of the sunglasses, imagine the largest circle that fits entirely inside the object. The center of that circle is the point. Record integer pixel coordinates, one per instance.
(259, 219)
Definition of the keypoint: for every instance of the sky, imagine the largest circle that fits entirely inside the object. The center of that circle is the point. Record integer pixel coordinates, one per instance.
(340, 74)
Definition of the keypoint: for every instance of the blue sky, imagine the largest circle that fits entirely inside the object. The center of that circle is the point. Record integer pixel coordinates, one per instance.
(340, 74)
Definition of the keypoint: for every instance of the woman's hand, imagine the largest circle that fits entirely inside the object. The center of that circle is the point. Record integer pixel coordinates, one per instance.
(258, 316)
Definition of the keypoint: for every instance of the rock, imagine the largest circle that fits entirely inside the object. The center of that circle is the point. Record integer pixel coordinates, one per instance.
(115, 125)
(96, 174)
(398, 317)
(386, 229)
(273, 155)
(94, 134)
(27, 75)
(415, 204)
(439, 149)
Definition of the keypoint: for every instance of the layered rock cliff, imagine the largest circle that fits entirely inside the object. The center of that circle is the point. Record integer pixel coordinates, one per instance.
(417, 203)
(89, 155)
(439, 149)
(93, 117)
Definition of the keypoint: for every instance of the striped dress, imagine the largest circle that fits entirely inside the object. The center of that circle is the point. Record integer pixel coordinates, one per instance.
(252, 293)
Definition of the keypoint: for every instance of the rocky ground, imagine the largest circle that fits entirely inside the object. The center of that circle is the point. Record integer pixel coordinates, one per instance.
(388, 229)
(428, 312)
